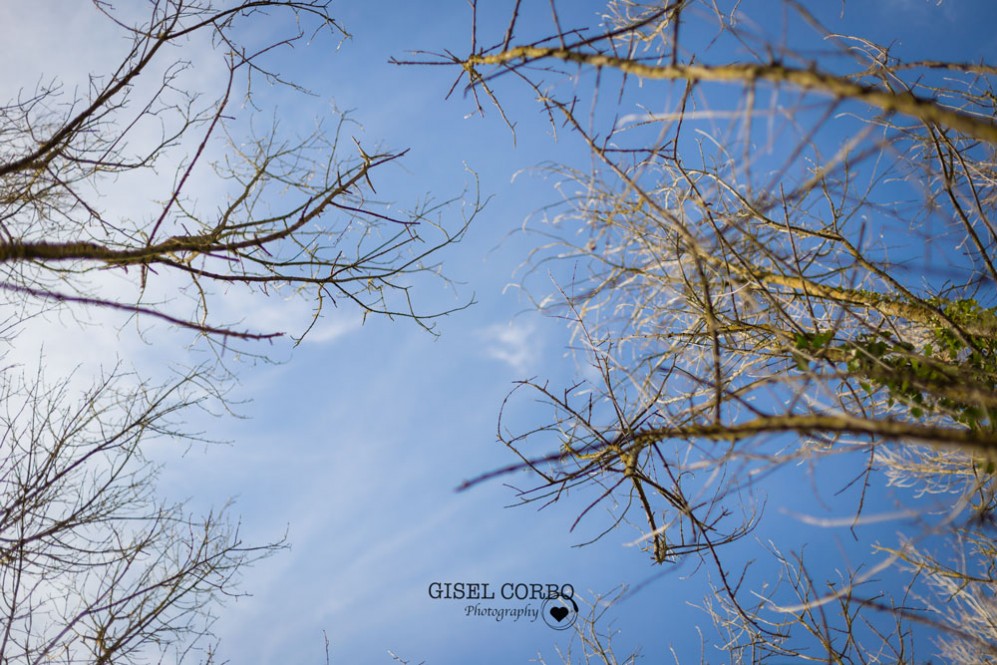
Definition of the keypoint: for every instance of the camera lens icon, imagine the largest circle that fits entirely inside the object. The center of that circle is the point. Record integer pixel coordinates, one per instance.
(560, 612)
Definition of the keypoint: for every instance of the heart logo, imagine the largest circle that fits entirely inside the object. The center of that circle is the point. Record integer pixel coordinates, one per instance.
(559, 613)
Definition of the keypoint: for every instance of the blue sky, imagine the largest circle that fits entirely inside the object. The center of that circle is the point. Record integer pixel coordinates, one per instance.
(355, 441)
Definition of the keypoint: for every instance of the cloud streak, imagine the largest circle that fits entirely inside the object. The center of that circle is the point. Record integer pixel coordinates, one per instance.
(518, 345)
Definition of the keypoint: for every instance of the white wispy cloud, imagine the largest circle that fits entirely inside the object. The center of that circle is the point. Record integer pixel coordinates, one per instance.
(518, 345)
